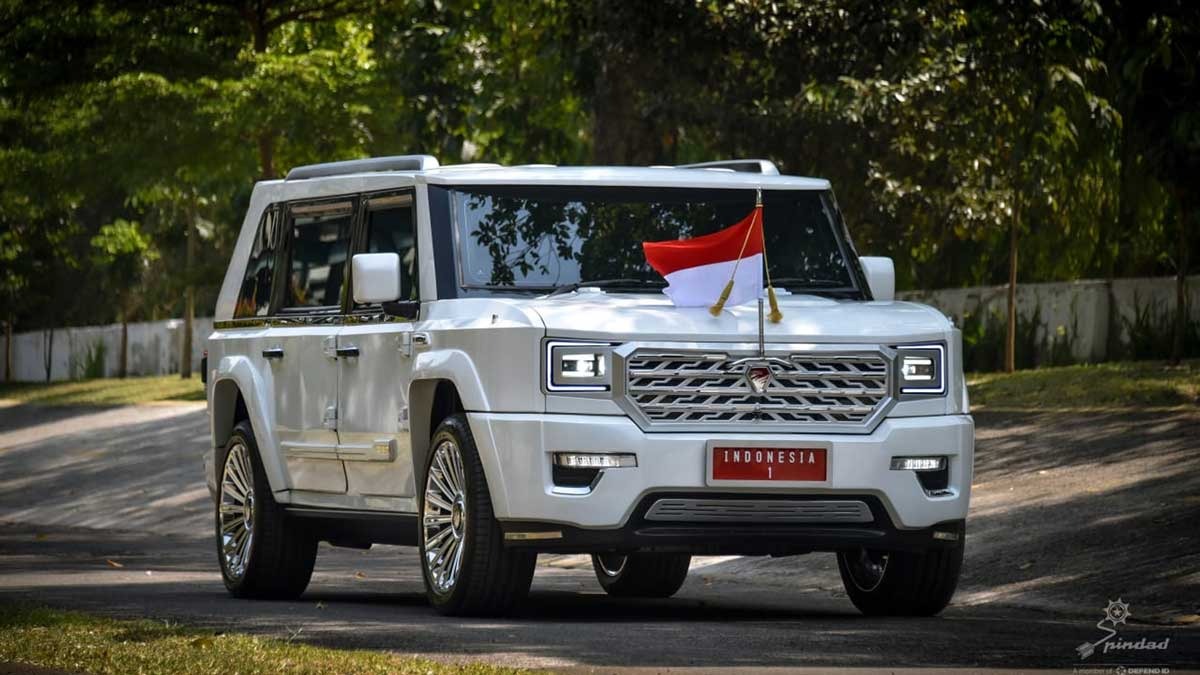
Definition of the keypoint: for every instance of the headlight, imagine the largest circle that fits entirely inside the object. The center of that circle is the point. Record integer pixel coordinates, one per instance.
(578, 366)
(922, 369)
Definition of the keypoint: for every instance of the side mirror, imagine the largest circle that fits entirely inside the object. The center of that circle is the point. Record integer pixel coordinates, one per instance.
(376, 278)
(881, 276)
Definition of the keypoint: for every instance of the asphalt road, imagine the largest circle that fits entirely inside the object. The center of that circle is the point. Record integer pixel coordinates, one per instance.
(105, 511)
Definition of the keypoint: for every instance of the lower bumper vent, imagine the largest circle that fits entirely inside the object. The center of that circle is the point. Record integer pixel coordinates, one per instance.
(759, 511)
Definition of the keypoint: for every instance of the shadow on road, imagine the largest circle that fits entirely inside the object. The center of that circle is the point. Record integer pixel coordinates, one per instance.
(107, 511)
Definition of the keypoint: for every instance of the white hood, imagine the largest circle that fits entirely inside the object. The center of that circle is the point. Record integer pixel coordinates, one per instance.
(806, 318)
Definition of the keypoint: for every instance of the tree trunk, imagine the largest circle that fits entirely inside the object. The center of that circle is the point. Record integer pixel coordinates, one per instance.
(48, 352)
(8, 347)
(1128, 198)
(266, 137)
(123, 360)
(266, 154)
(623, 132)
(189, 311)
(1181, 270)
(1010, 340)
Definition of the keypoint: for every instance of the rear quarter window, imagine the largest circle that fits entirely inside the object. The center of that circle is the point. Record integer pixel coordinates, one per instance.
(254, 297)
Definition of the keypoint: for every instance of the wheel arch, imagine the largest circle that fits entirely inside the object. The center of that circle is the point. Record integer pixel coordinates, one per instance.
(238, 393)
(432, 400)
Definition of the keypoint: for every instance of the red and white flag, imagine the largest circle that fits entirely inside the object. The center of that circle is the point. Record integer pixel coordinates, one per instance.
(697, 270)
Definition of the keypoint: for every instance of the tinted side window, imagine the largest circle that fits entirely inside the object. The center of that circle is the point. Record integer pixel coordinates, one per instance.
(254, 298)
(390, 230)
(317, 261)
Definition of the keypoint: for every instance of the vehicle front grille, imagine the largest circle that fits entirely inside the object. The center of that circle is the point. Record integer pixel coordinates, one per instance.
(688, 388)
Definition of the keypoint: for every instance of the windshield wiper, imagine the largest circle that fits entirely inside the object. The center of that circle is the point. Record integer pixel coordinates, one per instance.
(803, 282)
(606, 283)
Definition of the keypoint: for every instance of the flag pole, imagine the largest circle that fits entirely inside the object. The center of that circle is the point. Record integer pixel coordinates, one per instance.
(762, 331)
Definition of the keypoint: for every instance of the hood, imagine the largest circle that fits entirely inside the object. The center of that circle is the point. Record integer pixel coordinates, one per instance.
(806, 318)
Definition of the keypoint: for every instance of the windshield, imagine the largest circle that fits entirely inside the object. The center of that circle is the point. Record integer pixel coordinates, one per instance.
(545, 237)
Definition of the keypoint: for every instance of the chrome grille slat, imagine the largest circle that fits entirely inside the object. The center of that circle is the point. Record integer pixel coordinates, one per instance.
(818, 387)
(759, 511)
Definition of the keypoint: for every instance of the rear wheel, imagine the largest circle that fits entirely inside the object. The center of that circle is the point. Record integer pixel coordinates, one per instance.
(467, 570)
(263, 553)
(901, 583)
(641, 575)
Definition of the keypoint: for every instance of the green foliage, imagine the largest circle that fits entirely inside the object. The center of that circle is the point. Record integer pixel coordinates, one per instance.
(1149, 333)
(123, 127)
(92, 366)
(984, 334)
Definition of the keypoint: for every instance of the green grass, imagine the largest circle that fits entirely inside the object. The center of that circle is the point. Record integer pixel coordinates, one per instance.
(1136, 384)
(110, 391)
(76, 642)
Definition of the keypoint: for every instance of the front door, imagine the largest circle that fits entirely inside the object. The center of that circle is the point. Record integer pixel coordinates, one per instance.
(373, 383)
(304, 343)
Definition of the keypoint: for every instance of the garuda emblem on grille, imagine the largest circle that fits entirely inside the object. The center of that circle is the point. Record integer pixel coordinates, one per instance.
(759, 378)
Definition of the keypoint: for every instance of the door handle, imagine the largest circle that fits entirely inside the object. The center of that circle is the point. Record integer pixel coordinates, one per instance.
(349, 351)
(273, 353)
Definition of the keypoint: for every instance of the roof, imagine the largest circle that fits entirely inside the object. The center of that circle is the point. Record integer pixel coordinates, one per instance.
(614, 176)
(739, 173)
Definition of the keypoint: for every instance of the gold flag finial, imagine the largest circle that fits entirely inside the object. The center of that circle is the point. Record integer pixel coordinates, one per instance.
(716, 309)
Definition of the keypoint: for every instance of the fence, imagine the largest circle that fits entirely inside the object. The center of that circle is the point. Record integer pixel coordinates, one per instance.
(1058, 323)
(95, 351)
(1069, 322)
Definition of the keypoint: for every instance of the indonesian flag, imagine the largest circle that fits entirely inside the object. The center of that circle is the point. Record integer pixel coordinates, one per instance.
(697, 270)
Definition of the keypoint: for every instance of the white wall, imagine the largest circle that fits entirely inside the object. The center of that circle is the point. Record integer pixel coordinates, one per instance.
(154, 349)
(1081, 308)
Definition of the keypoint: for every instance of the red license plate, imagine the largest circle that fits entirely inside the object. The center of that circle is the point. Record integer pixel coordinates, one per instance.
(769, 464)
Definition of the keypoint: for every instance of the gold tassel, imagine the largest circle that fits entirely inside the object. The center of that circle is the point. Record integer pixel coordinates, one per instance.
(716, 309)
(775, 316)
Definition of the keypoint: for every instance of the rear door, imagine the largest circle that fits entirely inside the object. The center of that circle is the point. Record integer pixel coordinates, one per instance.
(373, 384)
(303, 342)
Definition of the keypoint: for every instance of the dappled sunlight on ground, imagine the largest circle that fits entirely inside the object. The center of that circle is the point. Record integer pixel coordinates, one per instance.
(1064, 510)
(129, 468)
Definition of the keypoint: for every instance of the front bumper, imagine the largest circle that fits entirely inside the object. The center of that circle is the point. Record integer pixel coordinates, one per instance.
(516, 451)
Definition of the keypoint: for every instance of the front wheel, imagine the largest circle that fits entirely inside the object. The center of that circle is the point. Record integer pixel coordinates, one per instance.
(641, 575)
(467, 570)
(901, 583)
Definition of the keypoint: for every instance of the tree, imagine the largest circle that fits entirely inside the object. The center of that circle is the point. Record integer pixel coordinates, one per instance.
(123, 251)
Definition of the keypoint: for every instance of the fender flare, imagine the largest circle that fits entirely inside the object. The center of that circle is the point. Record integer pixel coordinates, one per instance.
(455, 367)
(237, 375)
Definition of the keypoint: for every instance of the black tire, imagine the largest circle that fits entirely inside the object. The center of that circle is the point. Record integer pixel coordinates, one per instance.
(911, 584)
(641, 575)
(490, 579)
(280, 554)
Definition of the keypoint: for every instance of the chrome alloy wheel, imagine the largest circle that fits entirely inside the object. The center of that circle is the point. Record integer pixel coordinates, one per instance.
(611, 564)
(444, 520)
(236, 511)
(866, 568)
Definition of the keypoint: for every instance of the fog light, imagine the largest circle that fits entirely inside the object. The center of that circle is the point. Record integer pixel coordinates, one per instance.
(586, 460)
(918, 463)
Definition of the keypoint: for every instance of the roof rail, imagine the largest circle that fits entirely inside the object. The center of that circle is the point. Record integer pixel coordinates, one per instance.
(395, 163)
(763, 166)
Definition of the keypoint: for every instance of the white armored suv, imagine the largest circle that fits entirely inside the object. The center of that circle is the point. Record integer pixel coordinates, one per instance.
(478, 361)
